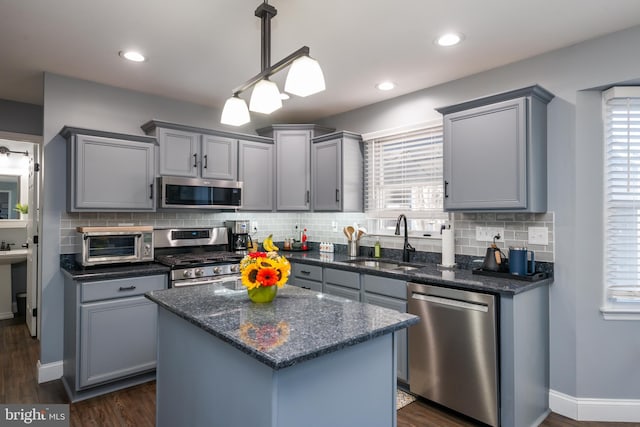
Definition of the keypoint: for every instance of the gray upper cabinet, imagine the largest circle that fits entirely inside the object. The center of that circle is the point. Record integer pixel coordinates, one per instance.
(94, 156)
(495, 152)
(195, 152)
(255, 170)
(293, 164)
(219, 157)
(337, 173)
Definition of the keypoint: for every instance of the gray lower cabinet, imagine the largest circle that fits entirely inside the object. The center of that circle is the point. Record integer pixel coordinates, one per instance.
(345, 284)
(495, 152)
(306, 276)
(392, 294)
(336, 173)
(256, 171)
(110, 334)
(109, 171)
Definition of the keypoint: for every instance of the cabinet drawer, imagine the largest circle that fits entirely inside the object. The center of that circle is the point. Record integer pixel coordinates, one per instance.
(309, 284)
(385, 286)
(350, 279)
(119, 288)
(305, 271)
(340, 291)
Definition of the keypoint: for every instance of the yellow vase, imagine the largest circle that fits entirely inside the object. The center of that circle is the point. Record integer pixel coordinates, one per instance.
(263, 293)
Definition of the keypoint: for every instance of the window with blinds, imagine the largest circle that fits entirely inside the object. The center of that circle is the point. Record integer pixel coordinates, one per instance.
(622, 198)
(403, 174)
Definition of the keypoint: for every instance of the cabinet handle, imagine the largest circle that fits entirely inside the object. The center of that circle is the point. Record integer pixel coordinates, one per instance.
(205, 161)
(127, 288)
(195, 160)
(308, 196)
(151, 191)
(305, 272)
(337, 194)
(446, 186)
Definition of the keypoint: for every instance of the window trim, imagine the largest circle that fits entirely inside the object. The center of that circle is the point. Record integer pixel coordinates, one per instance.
(612, 310)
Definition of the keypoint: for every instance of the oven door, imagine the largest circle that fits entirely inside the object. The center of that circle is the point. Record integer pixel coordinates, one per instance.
(232, 282)
(115, 248)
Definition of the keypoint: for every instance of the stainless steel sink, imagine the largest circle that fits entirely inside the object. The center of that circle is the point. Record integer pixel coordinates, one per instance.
(383, 264)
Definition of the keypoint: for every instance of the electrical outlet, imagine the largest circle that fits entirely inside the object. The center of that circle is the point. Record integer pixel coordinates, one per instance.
(538, 235)
(334, 225)
(254, 226)
(486, 234)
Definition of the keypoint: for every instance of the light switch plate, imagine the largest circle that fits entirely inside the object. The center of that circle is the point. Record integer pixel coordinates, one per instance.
(538, 235)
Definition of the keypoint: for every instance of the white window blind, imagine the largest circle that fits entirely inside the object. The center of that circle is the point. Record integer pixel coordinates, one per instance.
(403, 174)
(622, 198)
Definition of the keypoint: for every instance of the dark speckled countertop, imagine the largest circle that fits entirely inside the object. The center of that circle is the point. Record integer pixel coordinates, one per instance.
(298, 325)
(426, 273)
(108, 272)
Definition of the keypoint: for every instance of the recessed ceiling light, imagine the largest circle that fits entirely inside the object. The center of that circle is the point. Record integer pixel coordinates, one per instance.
(132, 55)
(386, 85)
(449, 39)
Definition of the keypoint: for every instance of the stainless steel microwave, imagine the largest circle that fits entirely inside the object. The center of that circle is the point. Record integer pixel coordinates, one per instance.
(114, 245)
(196, 193)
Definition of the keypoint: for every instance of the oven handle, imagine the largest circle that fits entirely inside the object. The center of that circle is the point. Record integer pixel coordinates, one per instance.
(179, 283)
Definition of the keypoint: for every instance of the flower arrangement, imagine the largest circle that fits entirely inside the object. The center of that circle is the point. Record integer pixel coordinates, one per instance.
(264, 269)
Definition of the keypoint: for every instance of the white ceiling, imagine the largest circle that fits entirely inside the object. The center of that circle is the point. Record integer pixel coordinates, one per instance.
(199, 50)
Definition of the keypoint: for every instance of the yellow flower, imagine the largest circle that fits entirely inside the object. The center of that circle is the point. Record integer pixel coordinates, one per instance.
(251, 265)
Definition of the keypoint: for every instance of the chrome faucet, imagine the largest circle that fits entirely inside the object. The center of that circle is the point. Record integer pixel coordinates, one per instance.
(406, 248)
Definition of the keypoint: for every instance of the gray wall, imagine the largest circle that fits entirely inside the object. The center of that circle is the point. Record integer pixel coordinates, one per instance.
(590, 357)
(19, 117)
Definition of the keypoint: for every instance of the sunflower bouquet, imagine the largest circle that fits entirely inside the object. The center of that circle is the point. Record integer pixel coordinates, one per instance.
(264, 269)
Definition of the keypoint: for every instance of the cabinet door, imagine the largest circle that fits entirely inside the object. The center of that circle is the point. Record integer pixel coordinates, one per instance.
(112, 174)
(293, 160)
(255, 170)
(326, 175)
(485, 154)
(401, 336)
(178, 152)
(117, 339)
(219, 158)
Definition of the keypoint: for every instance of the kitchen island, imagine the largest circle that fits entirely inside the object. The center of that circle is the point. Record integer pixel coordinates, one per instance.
(305, 359)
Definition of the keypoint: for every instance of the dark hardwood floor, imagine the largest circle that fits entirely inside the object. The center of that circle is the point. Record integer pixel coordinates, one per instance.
(135, 406)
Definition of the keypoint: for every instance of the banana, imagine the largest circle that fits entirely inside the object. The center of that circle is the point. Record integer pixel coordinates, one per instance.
(268, 245)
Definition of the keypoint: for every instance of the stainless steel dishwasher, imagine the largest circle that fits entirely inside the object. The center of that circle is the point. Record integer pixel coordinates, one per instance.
(453, 351)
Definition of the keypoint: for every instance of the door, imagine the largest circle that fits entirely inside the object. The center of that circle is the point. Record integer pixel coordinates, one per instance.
(293, 175)
(255, 170)
(219, 157)
(178, 153)
(32, 239)
(326, 172)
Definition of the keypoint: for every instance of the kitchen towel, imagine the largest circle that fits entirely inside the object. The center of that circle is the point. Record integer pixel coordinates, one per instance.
(448, 248)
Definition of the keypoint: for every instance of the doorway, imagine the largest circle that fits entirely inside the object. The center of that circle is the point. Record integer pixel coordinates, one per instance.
(19, 178)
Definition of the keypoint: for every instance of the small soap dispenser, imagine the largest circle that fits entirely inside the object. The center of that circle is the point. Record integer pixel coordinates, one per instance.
(376, 249)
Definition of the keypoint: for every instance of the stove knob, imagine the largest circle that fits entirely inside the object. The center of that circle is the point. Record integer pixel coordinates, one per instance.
(216, 270)
(199, 272)
(234, 268)
(187, 273)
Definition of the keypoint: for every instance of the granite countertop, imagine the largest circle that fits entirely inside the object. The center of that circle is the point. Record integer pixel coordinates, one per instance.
(298, 325)
(425, 273)
(81, 274)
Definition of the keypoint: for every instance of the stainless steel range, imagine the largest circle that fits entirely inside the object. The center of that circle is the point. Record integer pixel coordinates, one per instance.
(198, 256)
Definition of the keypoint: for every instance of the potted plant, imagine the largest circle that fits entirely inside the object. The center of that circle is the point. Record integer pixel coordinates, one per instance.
(22, 209)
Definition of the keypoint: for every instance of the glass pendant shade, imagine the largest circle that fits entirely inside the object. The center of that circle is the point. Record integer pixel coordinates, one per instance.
(305, 77)
(265, 97)
(235, 112)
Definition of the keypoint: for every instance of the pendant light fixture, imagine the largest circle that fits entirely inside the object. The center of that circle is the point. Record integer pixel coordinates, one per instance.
(305, 78)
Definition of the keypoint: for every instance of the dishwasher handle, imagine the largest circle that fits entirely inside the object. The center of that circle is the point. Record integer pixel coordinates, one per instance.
(466, 305)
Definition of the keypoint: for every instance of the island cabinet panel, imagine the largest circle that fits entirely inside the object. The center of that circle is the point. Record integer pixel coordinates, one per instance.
(256, 172)
(495, 153)
(350, 387)
(337, 181)
(383, 287)
(110, 334)
(93, 185)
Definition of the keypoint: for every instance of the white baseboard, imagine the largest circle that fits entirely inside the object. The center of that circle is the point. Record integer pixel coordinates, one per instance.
(6, 315)
(589, 409)
(49, 371)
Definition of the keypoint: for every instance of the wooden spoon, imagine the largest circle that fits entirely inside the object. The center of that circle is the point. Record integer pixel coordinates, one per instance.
(350, 231)
(346, 233)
